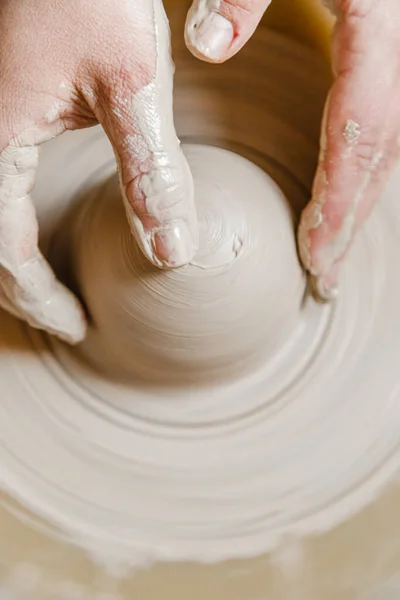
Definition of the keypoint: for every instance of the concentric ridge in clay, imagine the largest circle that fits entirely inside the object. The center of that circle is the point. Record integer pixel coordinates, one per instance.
(209, 473)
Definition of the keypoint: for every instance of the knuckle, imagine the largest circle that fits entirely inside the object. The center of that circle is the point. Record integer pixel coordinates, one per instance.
(355, 9)
(244, 7)
(113, 80)
(163, 189)
(368, 156)
(238, 10)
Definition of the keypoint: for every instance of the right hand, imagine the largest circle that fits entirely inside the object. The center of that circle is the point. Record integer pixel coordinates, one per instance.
(360, 133)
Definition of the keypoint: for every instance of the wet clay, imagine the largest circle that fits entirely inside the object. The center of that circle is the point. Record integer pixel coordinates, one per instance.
(215, 410)
(203, 323)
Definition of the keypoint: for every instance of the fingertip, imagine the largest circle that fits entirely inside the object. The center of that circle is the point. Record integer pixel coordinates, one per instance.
(315, 254)
(167, 246)
(74, 332)
(215, 31)
(174, 245)
(324, 288)
(209, 35)
(60, 314)
(162, 215)
(71, 338)
(65, 316)
(311, 219)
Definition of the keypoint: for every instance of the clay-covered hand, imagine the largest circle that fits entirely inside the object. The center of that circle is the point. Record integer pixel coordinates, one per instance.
(360, 137)
(68, 65)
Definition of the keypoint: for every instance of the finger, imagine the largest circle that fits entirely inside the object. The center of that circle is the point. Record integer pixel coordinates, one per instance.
(358, 150)
(156, 182)
(29, 289)
(216, 29)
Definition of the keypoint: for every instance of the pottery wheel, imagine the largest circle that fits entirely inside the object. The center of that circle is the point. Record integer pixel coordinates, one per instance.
(211, 465)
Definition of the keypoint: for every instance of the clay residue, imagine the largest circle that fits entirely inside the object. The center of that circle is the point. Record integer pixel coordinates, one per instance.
(351, 132)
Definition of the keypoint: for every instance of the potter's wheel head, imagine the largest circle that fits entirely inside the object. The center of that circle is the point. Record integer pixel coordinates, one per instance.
(231, 309)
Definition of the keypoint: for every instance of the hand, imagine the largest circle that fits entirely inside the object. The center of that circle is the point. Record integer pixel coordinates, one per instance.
(68, 65)
(360, 137)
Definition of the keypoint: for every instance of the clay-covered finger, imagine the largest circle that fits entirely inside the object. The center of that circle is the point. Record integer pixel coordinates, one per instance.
(359, 147)
(216, 29)
(157, 186)
(43, 302)
(29, 289)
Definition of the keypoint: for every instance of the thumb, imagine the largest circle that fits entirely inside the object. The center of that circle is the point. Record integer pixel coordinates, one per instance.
(217, 29)
(156, 182)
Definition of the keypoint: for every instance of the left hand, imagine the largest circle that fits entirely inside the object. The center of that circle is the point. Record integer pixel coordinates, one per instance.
(360, 135)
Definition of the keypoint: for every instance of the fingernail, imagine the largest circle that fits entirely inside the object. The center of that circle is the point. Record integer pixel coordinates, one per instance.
(174, 246)
(213, 36)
